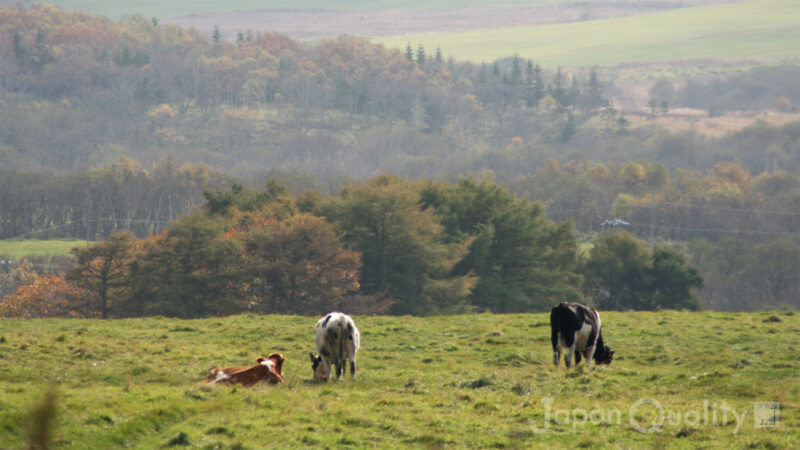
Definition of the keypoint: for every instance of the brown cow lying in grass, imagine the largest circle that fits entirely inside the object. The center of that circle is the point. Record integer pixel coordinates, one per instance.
(268, 369)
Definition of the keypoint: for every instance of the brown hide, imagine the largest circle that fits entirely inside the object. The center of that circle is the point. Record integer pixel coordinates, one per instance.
(248, 376)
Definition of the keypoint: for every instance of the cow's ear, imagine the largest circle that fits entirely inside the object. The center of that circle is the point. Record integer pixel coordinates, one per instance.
(313, 360)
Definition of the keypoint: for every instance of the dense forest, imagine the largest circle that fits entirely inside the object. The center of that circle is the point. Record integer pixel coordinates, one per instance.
(758, 88)
(79, 91)
(388, 245)
(393, 245)
(108, 126)
(725, 201)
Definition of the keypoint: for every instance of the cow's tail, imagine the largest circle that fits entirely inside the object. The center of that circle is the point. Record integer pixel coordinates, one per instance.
(340, 344)
(555, 326)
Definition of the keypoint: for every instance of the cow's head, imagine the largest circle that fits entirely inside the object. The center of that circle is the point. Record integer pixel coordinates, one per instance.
(268, 363)
(277, 360)
(603, 355)
(318, 366)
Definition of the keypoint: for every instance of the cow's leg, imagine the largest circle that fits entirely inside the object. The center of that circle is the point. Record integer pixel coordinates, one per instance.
(570, 341)
(577, 358)
(327, 369)
(568, 355)
(339, 368)
(556, 348)
(589, 354)
(353, 368)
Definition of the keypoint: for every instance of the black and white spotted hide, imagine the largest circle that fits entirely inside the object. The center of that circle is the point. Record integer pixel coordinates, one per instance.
(576, 328)
(337, 341)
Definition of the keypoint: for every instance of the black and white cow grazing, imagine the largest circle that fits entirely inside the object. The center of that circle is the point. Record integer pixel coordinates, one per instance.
(337, 341)
(577, 327)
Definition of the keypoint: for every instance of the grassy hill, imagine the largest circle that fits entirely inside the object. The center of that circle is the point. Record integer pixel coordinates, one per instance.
(766, 30)
(465, 381)
(174, 8)
(555, 32)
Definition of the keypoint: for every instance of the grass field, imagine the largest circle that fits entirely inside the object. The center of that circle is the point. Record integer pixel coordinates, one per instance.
(17, 249)
(175, 8)
(551, 32)
(765, 30)
(460, 381)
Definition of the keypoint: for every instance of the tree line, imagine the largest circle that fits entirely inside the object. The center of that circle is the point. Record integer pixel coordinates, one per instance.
(773, 87)
(389, 245)
(680, 205)
(94, 204)
(739, 230)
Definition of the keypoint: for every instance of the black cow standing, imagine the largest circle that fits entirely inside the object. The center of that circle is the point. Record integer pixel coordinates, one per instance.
(577, 327)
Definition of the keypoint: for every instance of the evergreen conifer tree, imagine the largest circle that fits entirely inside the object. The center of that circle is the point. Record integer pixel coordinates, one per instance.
(409, 52)
(421, 58)
(216, 36)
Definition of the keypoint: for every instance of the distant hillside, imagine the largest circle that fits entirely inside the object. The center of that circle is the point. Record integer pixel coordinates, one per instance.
(312, 20)
(174, 8)
(765, 30)
(80, 91)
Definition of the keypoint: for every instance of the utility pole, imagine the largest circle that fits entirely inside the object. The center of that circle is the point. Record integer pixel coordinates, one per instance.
(88, 222)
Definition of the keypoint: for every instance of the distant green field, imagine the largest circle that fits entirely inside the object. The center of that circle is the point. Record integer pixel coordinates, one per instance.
(176, 8)
(758, 29)
(33, 247)
(679, 380)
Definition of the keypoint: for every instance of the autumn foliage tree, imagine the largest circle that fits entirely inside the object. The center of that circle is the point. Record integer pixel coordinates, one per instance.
(23, 273)
(47, 295)
(297, 265)
(186, 271)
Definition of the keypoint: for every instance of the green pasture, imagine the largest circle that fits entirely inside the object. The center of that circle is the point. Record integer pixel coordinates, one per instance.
(176, 8)
(451, 381)
(16, 249)
(765, 30)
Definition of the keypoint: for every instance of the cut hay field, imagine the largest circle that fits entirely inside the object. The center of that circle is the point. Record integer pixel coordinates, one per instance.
(763, 30)
(460, 381)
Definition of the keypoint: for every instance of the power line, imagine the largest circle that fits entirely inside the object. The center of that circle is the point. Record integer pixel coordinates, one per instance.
(116, 221)
(36, 232)
(682, 205)
(155, 222)
(722, 208)
(714, 230)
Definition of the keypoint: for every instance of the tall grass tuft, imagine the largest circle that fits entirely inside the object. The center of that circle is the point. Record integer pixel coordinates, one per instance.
(42, 420)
